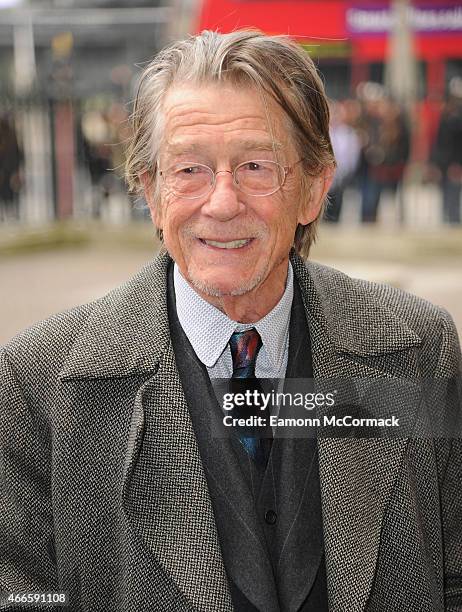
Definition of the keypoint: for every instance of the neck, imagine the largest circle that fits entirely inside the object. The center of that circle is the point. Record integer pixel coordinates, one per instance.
(256, 304)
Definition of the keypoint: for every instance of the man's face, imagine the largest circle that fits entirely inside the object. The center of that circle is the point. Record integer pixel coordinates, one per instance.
(228, 243)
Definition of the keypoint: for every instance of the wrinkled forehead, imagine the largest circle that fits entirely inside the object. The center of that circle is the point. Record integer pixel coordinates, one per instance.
(224, 114)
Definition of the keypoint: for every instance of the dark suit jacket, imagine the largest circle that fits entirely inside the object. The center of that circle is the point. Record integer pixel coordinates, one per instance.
(89, 396)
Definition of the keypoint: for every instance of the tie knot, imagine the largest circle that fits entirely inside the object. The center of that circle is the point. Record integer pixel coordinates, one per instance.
(244, 350)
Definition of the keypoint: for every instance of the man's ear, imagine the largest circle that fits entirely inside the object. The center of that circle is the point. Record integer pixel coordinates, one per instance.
(147, 180)
(320, 186)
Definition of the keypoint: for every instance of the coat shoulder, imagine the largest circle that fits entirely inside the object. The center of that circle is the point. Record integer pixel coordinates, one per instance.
(420, 315)
(46, 344)
(113, 327)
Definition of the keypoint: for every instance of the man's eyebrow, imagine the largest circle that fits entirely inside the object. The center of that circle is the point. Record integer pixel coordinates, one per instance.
(177, 148)
(261, 145)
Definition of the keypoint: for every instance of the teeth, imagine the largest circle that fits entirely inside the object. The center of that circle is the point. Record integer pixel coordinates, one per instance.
(234, 244)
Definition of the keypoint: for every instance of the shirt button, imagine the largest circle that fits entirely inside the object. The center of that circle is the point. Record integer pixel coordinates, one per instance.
(271, 517)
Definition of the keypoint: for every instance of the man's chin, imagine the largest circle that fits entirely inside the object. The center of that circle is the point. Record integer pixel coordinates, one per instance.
(220, 289)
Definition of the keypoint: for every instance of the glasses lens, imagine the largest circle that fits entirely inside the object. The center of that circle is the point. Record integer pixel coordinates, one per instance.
(260, 177)
(189, 181)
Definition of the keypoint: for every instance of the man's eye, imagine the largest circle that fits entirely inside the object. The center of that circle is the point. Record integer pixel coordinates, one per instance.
(191, 170)
(255, 166)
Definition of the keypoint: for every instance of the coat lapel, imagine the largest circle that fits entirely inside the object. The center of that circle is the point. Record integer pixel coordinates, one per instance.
(166, 495)
(164, 490)
(350, 338)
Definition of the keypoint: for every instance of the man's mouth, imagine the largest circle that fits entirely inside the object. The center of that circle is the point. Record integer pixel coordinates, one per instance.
(231, 244)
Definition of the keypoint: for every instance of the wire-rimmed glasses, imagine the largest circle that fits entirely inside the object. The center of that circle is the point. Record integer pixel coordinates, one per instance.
(257, 177)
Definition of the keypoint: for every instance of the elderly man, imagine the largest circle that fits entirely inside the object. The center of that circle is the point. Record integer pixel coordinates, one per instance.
(115, 490)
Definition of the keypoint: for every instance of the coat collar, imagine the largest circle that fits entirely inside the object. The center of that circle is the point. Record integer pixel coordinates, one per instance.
(352, 317)
(127, 331)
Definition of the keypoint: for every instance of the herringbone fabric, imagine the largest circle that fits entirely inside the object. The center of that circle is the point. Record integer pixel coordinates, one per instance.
(103, 493)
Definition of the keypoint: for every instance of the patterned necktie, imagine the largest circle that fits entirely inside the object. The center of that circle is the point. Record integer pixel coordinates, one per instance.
(244, 350)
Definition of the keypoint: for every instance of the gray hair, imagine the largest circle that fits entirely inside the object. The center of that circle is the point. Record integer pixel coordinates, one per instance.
(276, 65)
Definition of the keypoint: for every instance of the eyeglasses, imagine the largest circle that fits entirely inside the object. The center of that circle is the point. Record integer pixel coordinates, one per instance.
(256, 177)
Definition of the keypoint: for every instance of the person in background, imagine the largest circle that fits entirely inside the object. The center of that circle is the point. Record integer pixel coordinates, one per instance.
(446, 156)
(347, 148)
(386, 154)
(11, 160)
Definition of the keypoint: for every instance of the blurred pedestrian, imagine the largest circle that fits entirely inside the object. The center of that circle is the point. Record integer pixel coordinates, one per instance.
(11, 160)
(446, 155)
(386, 154)
(104, 134)
(345, 142)
(97, 151)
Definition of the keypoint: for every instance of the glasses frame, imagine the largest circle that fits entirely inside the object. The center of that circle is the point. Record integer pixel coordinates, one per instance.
(286, 170)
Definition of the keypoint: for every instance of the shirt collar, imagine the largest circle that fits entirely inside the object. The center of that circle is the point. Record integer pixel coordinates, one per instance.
(209, 330)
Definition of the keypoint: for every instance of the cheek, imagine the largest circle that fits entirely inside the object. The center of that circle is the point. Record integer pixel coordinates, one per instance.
(170, 228)
(285, 223)
(167, 212)
(162, 212)
(175, 220)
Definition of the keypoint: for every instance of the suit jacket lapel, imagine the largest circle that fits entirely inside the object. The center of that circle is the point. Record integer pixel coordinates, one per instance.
(357, 475)
(165, 494)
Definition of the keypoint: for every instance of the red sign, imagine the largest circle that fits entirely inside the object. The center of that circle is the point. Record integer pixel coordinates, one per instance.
(324, 19)
(330, 21)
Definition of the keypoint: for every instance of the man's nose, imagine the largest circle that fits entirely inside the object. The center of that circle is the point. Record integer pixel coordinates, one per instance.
(223, 202)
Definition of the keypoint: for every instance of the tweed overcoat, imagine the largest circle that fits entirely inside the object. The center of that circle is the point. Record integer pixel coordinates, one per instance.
(103, 493)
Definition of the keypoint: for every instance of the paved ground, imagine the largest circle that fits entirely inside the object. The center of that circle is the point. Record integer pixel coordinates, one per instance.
(34, 285)
(42, 283)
